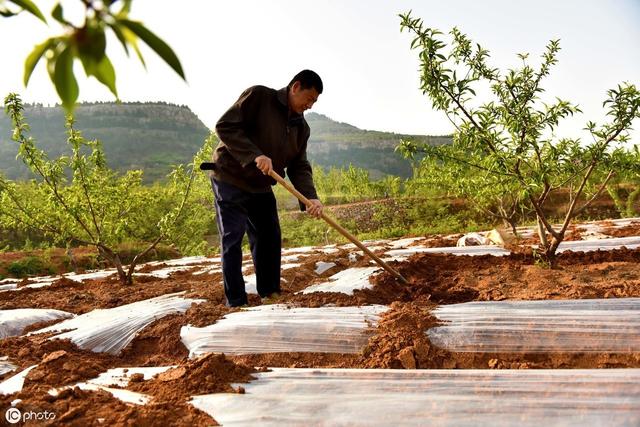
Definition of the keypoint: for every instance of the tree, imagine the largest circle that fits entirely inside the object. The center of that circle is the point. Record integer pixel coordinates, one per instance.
(88, 42)
(77, 199)
(488, 193)
(511, 136)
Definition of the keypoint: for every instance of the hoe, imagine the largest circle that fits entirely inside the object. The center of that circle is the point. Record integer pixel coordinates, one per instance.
(330, 221)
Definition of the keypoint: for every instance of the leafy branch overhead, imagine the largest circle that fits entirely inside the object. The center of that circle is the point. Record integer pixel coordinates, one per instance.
(505, 134)
(21, 5)
(88, 42)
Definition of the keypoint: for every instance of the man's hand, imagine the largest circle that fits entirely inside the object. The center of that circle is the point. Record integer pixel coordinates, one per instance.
(315, 208)
(264, 164)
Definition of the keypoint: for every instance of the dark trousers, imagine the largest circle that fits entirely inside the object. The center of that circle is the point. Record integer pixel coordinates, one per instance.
(256, 214)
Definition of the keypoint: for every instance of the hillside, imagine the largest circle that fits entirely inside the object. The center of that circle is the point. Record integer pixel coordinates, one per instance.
(337, 144)
(149, 136)
(155, 136)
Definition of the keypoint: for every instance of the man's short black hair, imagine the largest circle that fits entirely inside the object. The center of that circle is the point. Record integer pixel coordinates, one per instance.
(308, 79)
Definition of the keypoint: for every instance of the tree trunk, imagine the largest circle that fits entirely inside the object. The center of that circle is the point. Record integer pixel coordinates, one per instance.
(114, 259)
(542, 233)
(514, 225)
(552, 257)
(549, 248)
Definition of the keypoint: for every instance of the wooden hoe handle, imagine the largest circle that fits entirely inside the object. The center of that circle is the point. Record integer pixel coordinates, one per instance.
(338, 227)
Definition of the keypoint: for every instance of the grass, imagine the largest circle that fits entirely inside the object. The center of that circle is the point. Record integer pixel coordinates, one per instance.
(29, 266)
(381, 220)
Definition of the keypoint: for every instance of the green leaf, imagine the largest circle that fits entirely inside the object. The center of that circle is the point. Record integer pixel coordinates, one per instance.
(131, 39)
(33, 58)
(7, 13)
(120, 36)
(64, 79)
(126, 8)
(91, 42)
(155, 43)
(106, 74)
(56, 13)
(30, 7)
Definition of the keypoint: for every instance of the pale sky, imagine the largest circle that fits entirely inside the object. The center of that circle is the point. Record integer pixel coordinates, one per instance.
(370, 75)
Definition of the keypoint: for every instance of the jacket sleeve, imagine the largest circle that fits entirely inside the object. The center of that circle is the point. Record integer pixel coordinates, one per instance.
(300, 174)
(231, 128)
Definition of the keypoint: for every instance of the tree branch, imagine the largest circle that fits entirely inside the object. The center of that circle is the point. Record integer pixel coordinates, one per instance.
(610, 175)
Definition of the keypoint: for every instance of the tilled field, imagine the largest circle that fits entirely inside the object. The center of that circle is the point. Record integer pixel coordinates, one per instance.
(338, 310)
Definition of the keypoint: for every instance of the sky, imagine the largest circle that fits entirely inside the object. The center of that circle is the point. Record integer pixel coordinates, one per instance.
(370, 75)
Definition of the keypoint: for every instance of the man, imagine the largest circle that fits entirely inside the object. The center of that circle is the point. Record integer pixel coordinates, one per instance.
(264, 130)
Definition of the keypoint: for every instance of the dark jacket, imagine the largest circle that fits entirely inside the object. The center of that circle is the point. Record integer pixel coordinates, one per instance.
(260, 123)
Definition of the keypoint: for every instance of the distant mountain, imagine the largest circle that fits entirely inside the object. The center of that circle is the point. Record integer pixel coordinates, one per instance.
(338, 144)
(149, 136)
(155, 136)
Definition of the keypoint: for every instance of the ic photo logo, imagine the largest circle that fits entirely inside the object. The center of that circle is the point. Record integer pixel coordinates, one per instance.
(14, 416)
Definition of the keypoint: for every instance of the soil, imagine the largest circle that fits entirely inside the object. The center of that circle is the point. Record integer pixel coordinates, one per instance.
(632, 229)
(211, 373)
(399, 341)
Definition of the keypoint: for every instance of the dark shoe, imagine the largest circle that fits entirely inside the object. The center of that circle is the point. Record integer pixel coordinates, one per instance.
(244, 304)
(271, 298)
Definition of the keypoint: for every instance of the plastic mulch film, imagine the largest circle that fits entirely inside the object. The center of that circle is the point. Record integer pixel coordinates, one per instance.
(124, 395)
(403, 243)
(184, 261)
(465, 250)
(632, 242)
(345, 281)
(572, 326)
(15, 383)
(277, 329)
(112, 329)
(13, 322)
(380, 397)
(118, 377)
(6, 366)
(44, 281)
(322, 266)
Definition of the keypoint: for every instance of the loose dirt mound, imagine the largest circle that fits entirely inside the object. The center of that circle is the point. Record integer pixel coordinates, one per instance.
(211, 373)
(400, 341)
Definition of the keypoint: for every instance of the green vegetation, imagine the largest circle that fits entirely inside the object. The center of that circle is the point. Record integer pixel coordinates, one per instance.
(381, 219)
(507, 139)
(28, 266)
(414, 210)
(624, 186)
(77, 199)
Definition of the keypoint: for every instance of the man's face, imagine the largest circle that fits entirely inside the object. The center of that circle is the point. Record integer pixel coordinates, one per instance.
(301, 99)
